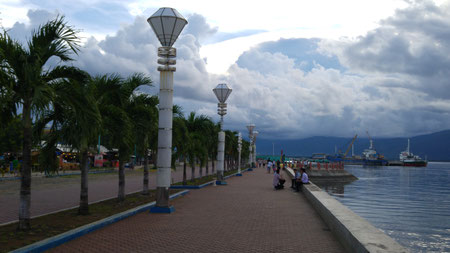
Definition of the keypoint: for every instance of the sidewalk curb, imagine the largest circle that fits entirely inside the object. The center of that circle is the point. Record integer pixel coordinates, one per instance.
(60, 175)
(192, 186)
(203, 185)
(78, 232)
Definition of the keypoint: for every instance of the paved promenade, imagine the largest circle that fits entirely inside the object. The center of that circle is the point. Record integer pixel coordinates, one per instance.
(246, 215)
(53, 194)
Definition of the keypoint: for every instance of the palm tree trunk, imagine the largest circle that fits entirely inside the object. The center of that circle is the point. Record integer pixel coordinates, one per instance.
(193, 171)
(155, 157)
(83, 209)
(184, 172)
(145, 186)
(25, 180)
(225, 164)
(121, 195)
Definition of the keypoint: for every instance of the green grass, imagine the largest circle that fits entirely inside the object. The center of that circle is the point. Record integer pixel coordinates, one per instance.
(53, 224)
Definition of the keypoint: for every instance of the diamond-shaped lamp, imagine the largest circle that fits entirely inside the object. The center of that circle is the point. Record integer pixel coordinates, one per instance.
(250, 127)
(167, 23)
(222, 92)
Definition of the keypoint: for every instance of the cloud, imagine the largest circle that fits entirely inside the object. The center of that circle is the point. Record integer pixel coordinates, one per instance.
(199, 28)
(291, 88)
(413, 44)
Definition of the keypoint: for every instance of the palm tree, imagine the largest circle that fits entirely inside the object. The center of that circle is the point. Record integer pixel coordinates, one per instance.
(213, 132)
(144, 114)
(24, 76)
(75, 120)
(181, 140)
(117, 121)
(197, 126)
(245, 150)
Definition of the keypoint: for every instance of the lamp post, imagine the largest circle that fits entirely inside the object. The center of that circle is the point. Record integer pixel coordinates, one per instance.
(167, 23)
(222, 92)
(239, 155)
(255, 133)
(250, 128)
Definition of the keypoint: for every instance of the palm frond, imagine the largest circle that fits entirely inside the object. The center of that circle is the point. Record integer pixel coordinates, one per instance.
(54, 38)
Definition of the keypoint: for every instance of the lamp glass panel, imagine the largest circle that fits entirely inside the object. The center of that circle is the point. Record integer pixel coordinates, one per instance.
(168, 24)
(155, 23)
(158, 12)
(179, 25)
(168, 12)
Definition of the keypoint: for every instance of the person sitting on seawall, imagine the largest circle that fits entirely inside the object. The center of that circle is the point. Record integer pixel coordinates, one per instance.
(302, 180)
(296, 177)
(278, 181)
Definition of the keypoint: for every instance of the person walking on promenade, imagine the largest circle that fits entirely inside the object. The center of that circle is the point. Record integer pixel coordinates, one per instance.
(303, 180)
(296, 177)
(278, 181)
(269, 166)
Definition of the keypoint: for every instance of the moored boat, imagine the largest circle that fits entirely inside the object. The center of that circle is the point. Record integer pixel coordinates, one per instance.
(409, 159)
(372, 158)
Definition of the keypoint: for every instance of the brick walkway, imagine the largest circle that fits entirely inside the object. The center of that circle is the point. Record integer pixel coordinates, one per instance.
(247, 215)
(53, 194)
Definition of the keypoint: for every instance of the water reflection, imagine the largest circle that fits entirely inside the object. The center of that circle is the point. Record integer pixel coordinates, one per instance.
(409, 204)
(336, 188)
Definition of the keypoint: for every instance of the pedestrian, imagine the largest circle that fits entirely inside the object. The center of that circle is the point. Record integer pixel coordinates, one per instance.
(269, 166)
(278, 180)
(304, 179)
(295, 178)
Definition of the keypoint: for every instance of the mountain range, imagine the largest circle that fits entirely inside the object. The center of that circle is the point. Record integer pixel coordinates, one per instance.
(434, 147)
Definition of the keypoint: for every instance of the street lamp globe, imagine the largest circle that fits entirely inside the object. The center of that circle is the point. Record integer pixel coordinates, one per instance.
(222, 92)
(167, 23)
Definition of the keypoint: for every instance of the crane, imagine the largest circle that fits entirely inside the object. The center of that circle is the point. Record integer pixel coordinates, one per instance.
(349, 146)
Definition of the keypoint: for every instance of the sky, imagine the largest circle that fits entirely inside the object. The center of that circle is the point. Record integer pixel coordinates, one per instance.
(297, 68)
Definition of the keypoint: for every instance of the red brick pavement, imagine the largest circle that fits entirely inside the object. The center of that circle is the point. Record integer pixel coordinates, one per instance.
(247, 215)
(53, 194)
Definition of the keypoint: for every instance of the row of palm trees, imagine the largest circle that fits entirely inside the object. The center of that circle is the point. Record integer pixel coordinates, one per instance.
(78, 108)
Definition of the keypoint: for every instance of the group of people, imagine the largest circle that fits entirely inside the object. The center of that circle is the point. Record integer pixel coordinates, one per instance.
(273, 166)
(300, 177)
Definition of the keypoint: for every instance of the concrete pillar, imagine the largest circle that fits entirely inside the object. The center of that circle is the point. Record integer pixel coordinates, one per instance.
(220, 158)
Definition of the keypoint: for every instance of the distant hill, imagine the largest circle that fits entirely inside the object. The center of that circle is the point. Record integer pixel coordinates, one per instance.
(435, 146)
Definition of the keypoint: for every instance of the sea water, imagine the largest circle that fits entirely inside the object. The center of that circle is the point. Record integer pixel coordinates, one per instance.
(410, 204)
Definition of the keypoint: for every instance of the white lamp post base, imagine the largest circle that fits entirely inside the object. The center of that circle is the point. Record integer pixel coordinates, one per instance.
(220, 159)
(162, 205)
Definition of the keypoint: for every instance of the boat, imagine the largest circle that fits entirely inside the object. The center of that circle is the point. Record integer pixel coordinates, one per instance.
(372, 158)
(409, 159)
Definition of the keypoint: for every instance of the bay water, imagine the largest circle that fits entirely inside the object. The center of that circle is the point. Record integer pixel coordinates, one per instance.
(410, 204)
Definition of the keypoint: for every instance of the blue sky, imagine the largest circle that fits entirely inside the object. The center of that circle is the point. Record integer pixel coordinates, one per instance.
(297, 69)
